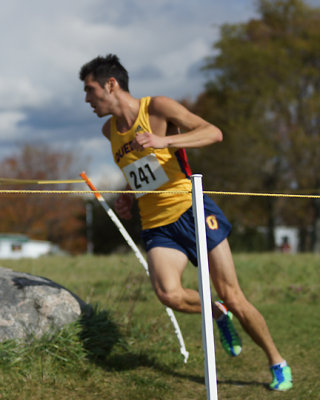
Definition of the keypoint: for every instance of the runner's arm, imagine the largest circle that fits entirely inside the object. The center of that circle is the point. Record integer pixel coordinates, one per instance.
(197, 131)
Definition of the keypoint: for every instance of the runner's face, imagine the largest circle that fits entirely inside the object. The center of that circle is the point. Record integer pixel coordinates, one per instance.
(98, 97)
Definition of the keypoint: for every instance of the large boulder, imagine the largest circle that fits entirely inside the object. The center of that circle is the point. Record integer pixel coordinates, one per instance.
(32, 305)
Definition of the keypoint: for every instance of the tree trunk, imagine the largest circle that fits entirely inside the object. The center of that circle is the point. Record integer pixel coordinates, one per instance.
(271, 225)
(315, 240)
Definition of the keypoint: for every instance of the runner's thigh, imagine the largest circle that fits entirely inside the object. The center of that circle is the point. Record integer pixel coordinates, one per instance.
(166, 266)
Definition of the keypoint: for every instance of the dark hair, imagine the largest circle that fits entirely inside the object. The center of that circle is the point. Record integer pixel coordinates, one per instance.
(103, 68)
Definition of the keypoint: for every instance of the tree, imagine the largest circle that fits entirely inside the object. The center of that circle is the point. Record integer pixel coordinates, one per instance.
(265, 96)
(60, 219)
(106, 238)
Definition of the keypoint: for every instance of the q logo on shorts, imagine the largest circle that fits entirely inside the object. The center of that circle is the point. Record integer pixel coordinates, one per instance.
(212, 222)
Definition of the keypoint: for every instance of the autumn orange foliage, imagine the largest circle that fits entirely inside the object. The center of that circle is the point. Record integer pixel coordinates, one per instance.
(57, 218)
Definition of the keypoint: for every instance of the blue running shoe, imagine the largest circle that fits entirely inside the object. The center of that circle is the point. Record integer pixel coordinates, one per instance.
(229, 338)
(282, 379)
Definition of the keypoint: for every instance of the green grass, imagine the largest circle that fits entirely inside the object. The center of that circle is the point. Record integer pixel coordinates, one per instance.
(127, 349)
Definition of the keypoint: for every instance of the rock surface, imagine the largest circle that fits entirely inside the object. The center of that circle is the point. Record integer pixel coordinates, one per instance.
(32, 305)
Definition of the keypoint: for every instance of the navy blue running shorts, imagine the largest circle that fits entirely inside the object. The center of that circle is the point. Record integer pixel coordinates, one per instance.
(181, 234)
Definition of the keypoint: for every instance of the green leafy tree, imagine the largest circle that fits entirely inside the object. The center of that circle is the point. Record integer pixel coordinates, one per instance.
(264, 95)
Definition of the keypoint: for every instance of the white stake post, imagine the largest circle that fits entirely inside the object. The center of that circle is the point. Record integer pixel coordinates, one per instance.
(139, 256)
(204, 288)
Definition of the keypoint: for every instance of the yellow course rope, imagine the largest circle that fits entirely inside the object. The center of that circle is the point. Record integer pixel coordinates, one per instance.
(284, 195)
(301, 196)
(6, 181)
(92, 191)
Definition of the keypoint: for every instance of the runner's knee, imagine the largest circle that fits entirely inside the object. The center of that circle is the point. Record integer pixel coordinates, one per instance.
(236, 303)
(172, 299)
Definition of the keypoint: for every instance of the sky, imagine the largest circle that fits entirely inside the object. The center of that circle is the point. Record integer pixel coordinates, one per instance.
(162, 44)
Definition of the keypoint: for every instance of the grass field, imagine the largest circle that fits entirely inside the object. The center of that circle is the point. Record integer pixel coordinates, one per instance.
(128, 350)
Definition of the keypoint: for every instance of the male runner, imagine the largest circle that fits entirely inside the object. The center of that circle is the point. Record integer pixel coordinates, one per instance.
(148, 147)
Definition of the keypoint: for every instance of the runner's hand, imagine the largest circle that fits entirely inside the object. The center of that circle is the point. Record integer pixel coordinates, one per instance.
(123, 205)
(146, 139)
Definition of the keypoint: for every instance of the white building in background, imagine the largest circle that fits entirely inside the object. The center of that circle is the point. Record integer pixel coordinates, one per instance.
(20, 246)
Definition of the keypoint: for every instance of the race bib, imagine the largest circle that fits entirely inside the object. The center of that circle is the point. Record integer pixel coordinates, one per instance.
(145, 174)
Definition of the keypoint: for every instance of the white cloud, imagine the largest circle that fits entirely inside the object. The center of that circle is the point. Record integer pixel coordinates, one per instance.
(19, 92)
(46, 43)
(43, 45)
(9, 121)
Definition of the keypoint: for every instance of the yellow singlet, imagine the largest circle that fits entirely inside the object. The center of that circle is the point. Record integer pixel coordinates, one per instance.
(152, 169)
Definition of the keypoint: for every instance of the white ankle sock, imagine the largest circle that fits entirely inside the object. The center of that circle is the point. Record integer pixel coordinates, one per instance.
(282, 364)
